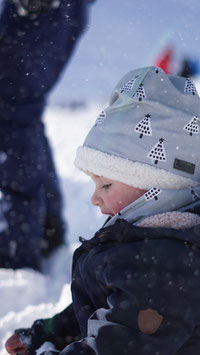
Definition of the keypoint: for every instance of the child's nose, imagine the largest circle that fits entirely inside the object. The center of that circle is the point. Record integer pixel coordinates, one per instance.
(96, 199)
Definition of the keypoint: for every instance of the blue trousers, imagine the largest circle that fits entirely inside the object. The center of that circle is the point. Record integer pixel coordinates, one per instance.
(33, 53)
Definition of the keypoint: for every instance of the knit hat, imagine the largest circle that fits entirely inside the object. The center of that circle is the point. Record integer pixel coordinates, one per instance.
(149, 135)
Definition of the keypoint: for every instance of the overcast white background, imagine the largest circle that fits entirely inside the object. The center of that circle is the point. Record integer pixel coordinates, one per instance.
(123, 35)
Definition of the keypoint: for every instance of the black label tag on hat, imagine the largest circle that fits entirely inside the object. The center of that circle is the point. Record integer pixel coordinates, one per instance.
(184, 166)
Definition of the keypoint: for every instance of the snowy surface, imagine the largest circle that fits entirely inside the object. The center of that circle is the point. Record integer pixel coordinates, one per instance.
(27, 295)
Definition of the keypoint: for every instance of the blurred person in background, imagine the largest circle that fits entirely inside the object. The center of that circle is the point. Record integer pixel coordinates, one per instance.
(37, 39)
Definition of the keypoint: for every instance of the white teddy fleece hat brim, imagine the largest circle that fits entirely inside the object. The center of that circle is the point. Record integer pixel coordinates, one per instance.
(149, 135)
(135, 174)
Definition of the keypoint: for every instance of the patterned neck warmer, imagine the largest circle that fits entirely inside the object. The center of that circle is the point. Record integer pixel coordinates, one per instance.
(157, 201)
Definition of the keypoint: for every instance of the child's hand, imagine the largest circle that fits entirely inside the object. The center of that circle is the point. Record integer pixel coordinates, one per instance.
(14, 346)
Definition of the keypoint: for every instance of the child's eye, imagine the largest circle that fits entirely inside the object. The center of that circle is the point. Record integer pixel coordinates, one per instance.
(106, 186)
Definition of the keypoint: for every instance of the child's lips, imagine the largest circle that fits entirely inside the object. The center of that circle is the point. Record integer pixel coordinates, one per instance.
(104, 212)
(107, 212)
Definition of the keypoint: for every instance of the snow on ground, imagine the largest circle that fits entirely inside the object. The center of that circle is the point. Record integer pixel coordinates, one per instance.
(27, 295)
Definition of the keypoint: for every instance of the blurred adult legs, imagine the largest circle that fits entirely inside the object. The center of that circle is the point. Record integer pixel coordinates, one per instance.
(33, 52)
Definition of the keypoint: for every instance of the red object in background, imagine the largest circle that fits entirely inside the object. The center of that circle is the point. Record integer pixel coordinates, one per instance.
(164, 60)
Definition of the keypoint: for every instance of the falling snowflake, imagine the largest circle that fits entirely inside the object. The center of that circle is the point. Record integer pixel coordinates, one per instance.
(144, 126)
(157, 153)
(3, 157)
(4, 207)
(192, 126)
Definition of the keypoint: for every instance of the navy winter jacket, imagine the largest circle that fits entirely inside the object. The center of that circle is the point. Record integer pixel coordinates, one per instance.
(135, 291)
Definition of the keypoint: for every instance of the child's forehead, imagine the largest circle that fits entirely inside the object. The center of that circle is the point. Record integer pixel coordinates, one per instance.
(96, 178)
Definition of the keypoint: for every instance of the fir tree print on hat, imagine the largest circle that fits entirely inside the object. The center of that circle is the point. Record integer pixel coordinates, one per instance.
(100, 118)
(144, 126)
(195, 195)
(140, 93)
(192, 126)
(147, 142)
(158, 70)
(157, 153)
(152, 193)
(128, 86)
(189, 87)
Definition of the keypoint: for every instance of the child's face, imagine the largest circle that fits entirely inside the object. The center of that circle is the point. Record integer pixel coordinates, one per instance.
(112, 196)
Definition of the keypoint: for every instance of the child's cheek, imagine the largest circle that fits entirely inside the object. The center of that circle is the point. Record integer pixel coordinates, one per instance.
(117, 206)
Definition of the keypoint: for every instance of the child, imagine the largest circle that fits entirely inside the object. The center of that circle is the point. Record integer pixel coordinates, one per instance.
(136, 284)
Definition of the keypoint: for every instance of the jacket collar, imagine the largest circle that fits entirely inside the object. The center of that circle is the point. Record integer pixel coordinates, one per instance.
(124, 232)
